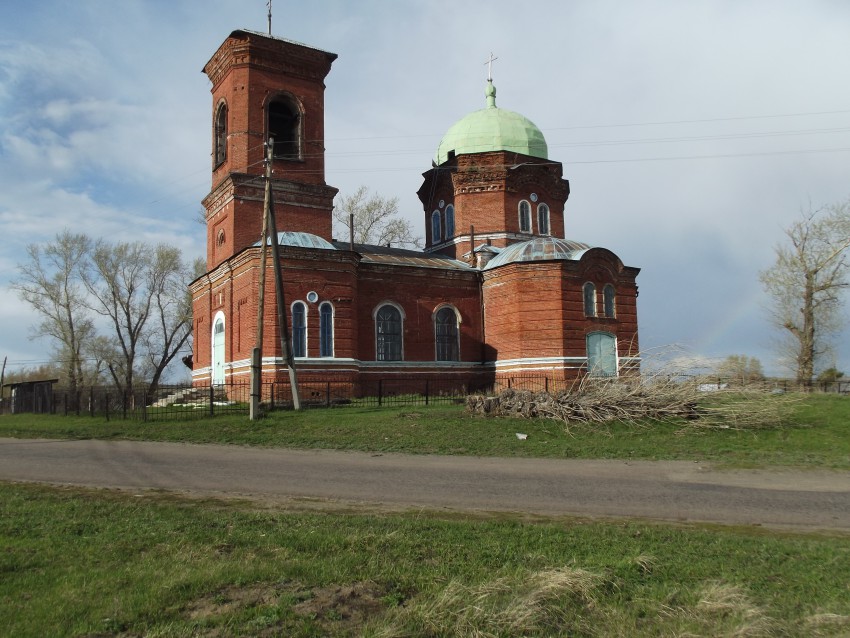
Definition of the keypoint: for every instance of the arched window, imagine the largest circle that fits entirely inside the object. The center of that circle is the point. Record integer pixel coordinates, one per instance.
(446, 334)
(435, 227)
(543, 219)
(608, 297)
(388, 326)
(589, 300)
(450, 221)
(220, 134)
(601, 354)
(524, 217)
(326, 330)
(299, 329)
(285, 128)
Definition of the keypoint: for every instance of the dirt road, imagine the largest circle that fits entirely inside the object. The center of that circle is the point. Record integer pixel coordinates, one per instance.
(674, 491)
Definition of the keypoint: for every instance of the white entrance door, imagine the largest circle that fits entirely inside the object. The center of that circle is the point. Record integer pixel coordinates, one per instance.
(218, 352)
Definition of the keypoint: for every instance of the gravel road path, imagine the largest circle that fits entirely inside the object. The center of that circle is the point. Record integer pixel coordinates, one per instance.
(670, 491)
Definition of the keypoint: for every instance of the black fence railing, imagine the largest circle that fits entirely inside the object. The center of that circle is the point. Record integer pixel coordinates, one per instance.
(171, 402)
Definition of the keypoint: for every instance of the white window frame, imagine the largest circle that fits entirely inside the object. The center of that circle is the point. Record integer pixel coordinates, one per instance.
(543, 211)
(584, 299)
(402, 315)
(523, 204)
(437, 310)
(436, 227)
(292, 327)
(322, 305)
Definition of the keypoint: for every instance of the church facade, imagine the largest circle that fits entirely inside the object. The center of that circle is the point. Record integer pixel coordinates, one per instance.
(497, 291)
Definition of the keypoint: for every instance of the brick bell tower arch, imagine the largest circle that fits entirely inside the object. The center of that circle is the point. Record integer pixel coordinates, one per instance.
(266, 86)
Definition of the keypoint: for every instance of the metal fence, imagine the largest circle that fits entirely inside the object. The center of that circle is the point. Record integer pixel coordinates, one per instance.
(174, 402)
(190, 402)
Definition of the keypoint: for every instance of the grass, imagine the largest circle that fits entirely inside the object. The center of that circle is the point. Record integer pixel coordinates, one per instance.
(816, 434)
(98, 563)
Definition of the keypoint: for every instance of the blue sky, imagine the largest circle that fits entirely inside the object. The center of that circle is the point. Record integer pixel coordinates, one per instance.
(691, 132)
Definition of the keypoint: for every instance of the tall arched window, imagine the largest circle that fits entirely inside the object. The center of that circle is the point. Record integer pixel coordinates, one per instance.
(435, 227)
(524, 217)
(388, 332)
(543, 219)
(450, 221)
(220, 134)
(285, 127)
(326, 330)
(589, 300)
(608, 297)
(299, 329)
(446, 334)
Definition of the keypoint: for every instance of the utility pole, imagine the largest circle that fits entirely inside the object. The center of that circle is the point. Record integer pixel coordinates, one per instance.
(286, 351)
(2, 379)
(257, 352)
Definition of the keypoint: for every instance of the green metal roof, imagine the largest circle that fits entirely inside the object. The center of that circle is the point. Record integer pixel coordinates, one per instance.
(492, 129)
(539, 249)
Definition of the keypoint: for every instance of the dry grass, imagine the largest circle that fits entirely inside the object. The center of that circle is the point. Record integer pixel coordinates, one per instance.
(570, 601)
(728, 606)
(521, 605)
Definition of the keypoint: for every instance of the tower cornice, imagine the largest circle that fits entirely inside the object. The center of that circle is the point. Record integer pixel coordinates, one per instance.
(276, 55)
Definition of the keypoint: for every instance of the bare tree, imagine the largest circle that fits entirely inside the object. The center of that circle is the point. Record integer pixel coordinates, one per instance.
(171, 313)
(142, 291)
(376, 220)
(805, 284)
(116, 279)
(50, 281)
(741, 368)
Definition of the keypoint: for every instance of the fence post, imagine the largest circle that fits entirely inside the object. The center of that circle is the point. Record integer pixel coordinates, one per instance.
(509, 383)
(328, 395)
(106, 407)
(212, 397)
(546, 384)
(271, 397)
(91, 401)
(380, 391)
(427, 387)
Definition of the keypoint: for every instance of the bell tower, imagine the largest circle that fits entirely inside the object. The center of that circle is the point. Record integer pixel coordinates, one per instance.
(266, 87)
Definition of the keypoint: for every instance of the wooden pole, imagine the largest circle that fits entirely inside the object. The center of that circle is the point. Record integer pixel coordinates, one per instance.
(2, 382)
(257, 353)
(278, 275)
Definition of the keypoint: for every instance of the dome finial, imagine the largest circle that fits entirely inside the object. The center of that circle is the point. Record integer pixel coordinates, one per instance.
(489, 64)
(490, 91)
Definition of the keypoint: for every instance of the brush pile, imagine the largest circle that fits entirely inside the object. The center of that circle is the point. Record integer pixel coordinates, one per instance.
(637, 402)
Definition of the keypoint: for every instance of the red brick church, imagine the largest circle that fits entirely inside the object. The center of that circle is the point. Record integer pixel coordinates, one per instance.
(497, 291)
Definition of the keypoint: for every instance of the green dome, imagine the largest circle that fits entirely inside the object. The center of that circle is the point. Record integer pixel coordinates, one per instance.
(492, 129)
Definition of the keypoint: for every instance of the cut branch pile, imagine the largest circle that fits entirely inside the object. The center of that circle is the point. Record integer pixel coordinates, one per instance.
(636, 401)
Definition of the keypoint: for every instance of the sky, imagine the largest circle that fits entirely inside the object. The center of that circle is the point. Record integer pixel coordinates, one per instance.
(692, 132)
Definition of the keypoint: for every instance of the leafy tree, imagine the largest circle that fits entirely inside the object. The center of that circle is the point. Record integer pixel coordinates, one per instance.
(830, 375)
(741, 368)
(805, 285)
(376, 220)
(51, 282)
